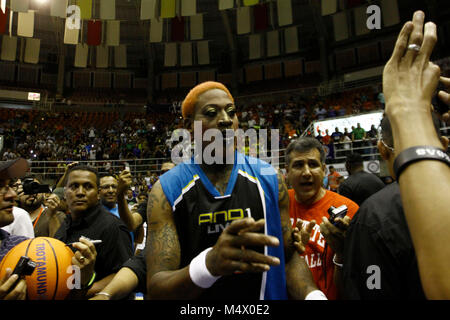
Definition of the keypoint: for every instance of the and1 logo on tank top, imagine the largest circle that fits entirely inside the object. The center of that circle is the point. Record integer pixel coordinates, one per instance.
(201, 214)
(200, 219)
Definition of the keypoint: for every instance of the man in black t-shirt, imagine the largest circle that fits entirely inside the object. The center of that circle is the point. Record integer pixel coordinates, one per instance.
(90, 219)
(379, 257)
(360, 184)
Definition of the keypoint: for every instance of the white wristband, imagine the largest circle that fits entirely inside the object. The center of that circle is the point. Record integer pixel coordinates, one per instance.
(199, 273)
(316, 295)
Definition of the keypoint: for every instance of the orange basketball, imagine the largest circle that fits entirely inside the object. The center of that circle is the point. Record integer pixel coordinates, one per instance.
(52, 258)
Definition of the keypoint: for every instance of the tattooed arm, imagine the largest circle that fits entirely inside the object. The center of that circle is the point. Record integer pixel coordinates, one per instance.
(283, 204)
(299, 279)
(164, 278)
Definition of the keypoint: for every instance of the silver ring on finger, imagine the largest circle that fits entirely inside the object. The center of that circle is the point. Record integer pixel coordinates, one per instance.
(82, 259)
(414, 47)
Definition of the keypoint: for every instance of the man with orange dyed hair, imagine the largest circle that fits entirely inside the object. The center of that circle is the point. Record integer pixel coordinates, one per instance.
(214, 229)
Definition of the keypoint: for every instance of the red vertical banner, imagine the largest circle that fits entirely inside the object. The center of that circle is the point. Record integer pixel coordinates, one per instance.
(94, 33)
(353, 3)
(177, 29)
(260, 17)
(4, 20)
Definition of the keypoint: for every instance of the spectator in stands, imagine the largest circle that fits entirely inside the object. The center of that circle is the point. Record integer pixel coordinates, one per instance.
(43, 210)
(360, 184)
(333, 179)
(358, 133)
(336, 135)
(326, 139)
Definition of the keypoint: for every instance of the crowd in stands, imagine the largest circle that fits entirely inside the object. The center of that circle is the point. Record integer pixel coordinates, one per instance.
(106, 136)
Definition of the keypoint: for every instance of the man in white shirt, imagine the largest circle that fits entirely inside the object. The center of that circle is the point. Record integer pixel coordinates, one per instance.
(21, 226)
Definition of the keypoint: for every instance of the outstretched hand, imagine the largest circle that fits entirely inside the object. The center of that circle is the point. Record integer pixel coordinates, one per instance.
(233, 253)
(409, 78)
(301, 234)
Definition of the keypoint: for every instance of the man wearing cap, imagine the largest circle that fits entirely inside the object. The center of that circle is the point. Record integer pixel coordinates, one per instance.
(360, 184)
(10, 170)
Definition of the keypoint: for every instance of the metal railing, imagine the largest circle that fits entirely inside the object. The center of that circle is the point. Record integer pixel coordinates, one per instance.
(53, 170)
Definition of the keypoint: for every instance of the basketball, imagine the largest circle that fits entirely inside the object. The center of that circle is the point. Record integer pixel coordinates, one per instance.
(52, 258)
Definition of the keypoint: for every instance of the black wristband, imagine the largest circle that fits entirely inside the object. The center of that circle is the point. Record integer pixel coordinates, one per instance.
(411, 155)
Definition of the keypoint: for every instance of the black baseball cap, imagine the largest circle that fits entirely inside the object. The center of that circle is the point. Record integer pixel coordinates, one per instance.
(13, 169)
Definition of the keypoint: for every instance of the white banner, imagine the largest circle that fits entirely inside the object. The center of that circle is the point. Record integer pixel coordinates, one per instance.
(186, 54)
(58, 8)
(291, 39)
(389, 11)
(20, 5)
(149, 9)
(107, 9)
(112, 33)
(203, 52)
(156, 30)
(371, 166)
(81, 55)
(32, 49)
(243, 20)
(196, 27)
(188, 7)
(71, 35)
(25, 24)
(102, 56)
(170, 54)
(254, 46)
(340, 26)
(328, 7)
(273, 43)
(120, 56)
(226, 4)
(9, 48)
(284, 12)
(360, 21)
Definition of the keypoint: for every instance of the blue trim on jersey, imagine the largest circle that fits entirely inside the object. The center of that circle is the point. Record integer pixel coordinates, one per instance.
(175, 180)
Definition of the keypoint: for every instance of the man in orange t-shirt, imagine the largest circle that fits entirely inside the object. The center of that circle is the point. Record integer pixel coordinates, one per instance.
(333, 179)
(305, 159)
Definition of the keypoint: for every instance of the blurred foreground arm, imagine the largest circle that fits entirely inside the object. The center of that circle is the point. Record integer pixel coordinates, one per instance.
(409, 82)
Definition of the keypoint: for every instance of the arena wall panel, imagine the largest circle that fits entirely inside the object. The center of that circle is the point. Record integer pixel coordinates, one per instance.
(149, 9)
(273, 71)
(188, 79)
(253, 73)
(102, 79)
(293, 68)
(169, 80)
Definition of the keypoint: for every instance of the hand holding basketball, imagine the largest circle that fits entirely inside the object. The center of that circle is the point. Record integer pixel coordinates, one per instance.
(19, 292)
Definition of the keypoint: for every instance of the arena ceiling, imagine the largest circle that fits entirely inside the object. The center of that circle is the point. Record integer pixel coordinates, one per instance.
(134, 32)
